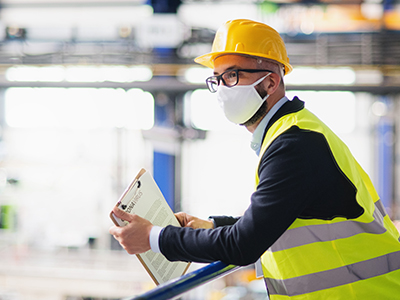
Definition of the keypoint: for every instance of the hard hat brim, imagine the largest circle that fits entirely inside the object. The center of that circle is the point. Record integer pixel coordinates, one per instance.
(207, 59)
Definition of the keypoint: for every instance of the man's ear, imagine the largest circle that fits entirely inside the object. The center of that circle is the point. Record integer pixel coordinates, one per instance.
(273, 83)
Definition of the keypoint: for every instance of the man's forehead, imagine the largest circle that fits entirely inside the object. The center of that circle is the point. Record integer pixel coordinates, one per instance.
(228, 60)
(225, 61)
(233, 57)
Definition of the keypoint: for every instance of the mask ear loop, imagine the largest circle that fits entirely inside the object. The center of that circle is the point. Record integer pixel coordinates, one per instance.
(260, 80)
(265, 98)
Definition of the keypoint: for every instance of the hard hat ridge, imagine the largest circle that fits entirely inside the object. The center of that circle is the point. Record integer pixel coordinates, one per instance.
(247, 37)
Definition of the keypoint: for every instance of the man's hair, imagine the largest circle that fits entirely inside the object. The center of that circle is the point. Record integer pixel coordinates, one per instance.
(268, 64)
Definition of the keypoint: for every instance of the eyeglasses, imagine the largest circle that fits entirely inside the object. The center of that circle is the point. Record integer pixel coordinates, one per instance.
(230, 78)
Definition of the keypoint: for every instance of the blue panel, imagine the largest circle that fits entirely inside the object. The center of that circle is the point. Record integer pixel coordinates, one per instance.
(164, 175)
(161, 114)
(385, 159)
(385, 156)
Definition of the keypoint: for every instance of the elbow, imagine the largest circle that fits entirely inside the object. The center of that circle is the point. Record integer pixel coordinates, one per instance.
(244, 260)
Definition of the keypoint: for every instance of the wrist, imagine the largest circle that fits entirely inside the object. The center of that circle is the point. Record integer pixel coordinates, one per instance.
(154, 237)
(212, 222)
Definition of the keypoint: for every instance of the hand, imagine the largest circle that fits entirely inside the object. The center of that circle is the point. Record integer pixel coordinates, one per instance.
(134, 237)
(189, 221)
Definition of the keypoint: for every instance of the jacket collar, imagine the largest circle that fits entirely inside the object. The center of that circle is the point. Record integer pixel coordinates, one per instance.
(289, 107)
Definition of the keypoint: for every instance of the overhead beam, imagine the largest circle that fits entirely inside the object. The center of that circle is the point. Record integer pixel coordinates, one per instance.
(172, 84)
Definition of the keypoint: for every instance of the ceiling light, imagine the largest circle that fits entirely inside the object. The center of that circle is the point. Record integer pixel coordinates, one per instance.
(321, 76)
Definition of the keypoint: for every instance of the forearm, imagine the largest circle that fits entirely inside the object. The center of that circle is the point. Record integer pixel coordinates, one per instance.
(207, 245)
(240, 244)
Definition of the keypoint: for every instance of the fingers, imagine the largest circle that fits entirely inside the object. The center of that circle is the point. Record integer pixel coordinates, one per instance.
(115, 232)
(134, 237)
(122, 214)
(192, 224)
(199, 223)
(181, 216)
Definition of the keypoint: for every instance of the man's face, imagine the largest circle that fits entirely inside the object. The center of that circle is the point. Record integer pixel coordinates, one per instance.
(229, 62)
(236, 62)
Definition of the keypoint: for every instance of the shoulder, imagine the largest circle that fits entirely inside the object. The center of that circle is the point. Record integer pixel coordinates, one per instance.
(300, 141)
(296, 151)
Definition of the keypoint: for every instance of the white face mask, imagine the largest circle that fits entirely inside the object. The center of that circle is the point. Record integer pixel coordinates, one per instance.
(240, 102)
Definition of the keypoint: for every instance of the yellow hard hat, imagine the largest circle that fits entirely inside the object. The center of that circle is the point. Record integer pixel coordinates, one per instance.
(247, 37)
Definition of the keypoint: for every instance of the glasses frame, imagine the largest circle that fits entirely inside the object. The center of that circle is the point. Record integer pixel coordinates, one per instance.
(218, 78)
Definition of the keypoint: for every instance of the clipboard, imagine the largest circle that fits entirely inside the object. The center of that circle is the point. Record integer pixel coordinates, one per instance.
(144, 198)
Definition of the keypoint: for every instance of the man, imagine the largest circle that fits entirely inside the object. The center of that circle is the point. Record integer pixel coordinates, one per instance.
(315, 218)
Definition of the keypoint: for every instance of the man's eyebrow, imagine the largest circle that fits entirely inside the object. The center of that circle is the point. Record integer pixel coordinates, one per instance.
(234, 67)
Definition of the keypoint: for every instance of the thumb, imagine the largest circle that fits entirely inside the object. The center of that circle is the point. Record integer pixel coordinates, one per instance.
(181, 218)
(192, 224)
(122, 214)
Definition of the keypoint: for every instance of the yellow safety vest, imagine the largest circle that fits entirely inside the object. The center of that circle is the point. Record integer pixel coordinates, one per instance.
(340, 258)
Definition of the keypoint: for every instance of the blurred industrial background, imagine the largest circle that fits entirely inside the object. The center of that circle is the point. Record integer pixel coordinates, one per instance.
(92, 91)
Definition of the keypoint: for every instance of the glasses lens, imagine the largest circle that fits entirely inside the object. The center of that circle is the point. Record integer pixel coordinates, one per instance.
(212, 83)
(231, 78)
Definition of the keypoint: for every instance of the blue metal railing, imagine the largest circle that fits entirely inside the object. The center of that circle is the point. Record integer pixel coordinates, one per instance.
(178, 286)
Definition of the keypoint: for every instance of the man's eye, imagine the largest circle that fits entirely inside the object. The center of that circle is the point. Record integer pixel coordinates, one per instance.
(231, 75)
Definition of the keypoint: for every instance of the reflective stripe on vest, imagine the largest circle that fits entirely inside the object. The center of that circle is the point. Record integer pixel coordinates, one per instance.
(324, 259)
(323, 232)
(336, 277)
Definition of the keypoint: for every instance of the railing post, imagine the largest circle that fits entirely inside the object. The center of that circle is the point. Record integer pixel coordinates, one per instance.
(187, 282)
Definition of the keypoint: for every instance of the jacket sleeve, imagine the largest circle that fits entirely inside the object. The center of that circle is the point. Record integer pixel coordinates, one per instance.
(293, 173)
